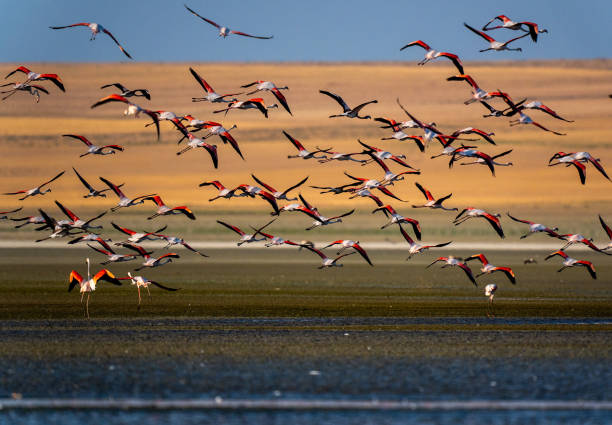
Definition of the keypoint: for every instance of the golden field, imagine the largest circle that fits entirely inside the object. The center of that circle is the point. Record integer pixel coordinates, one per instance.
(33, 150)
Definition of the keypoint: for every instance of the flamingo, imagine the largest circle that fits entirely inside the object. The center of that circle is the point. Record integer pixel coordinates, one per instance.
(571, 158)
(224, 31)
(490, 268)
(577, 238)
(37, 190)
(163, 209)
(326, 261)
(211, 95)
(536, 227)
(365, 193)
(535, 104)
(140, 281)
(93, 149)
(571, 262)
(455, 262)
(347, 111)
(254, 103)
(34, 76)
(32, 219)
(320, 220)
(215, 128)
(223, 191)
(89, 285)
(470, 212)
(471, 130)
(346, 244)
(469, 152)
(33, 89)
(252, 191)
(431, 201)
(525, 119)
(125, 92)
(132, 108)
(278, 194)
(270, 86)
(137, 237)
(151, 261)
(124, 201)
(608, 233)
(493, 158)
(492, 111)
(399, 135)
(489, 291)
(88, 237)
(111, 256)
(480, 95)
(175, 240)
(382, 155)
(92, 192)
(495, 45)
(399, 219)
(274, 240)
(390, 177)
(336, 190)
(415, 248)
(60, 229)
(95, 29)
(4, 214)
(338, 156)
(302, 152)
(76, 222)
(508, 23)
(373, 184)
(245, 237)
(194, 143)
(433, 54)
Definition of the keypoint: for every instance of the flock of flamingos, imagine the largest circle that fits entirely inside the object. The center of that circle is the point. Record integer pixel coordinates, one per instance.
(423, 133)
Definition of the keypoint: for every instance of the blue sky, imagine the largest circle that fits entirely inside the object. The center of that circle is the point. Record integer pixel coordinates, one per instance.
(350, 30)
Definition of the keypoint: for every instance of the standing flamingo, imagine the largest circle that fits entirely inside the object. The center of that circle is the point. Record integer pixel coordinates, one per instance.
(37, 190)
(489, 291)
(270, 86)
(490, 268)
(95, 29)
(224, 31)
(89, 285)
(571, 262)
(433, 54)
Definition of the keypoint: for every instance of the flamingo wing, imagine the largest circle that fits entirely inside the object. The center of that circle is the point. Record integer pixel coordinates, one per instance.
(81, 138)
(228, 138)
(301, 182)
(19, 69)
(113, 187)
(66, 211)
(229, 226)
(519, 220)
(605, 227)
(207, 88)
(343, 215)
(159, 285)
(268, 187)
(123, 229)
(359, 107)
(185, 210)
(294, 141)
(508, 272)
(454, 58)
(494, 221)
(337, 98)
(316, 251)
(252, 36)
(480, 33)
(589, 267)
(203, 18)
(53, 179)
(405, 235)
(110, 98)
(107, 32)
(80, 24)
(106, 275)
(597, 165)
(425, 192)
(419, 43)
(74, 279)
(468, 272)
(268, 197)
(363, 253)
(101, 251)
(581, 170)
(281, 98)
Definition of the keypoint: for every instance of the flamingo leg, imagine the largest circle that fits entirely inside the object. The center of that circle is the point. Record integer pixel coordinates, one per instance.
(87, 305)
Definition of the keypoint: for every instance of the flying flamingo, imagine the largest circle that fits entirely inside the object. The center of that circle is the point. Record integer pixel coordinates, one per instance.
(320, 220)
(347, 111)
(338, 156)
(373, 184)
(137, 237)
(365, 193)
(469, 152)
(223, 191)
(382, 155)
(415, 248)
(326, 261)
(571, 262)
(399, 135)
(252, 191)
(336, 190)
(211, 95)
(576, 238)
(524, 118)
(278, 194)
(224, 31)
(535, 105)
(478, 94)
(245, 237)
(151, 261)
(32, 219)
(37, 190)
(390, 177)
(572, 158)
(508, 23)
(34, 76)
(302, 152)
(490, 268)
(163, 209)
(89, 285)
(431, 201)
(60, 229)
(124, 201)
(4, 214)
(399, 219)
(140, 281)
(536, 227)
(346, 244)
(433, 54)
(174, 240)
(88, 237)
(489, 291)
(270, 86)
(112, 256)
(274, 240)
(493, 158)
(455, 262)
(471, 130)
(608, 233)
(132, 108)
(93, 149)
(495, 45)
(215, 128)
(95, 29)
(194, 143)
(92, 192)
(470, 212)
(33, 89)
(76, 222)
(125, 92)
(255, 103)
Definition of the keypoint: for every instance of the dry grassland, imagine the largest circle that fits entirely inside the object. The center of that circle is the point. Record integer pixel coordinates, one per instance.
(32, 149)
